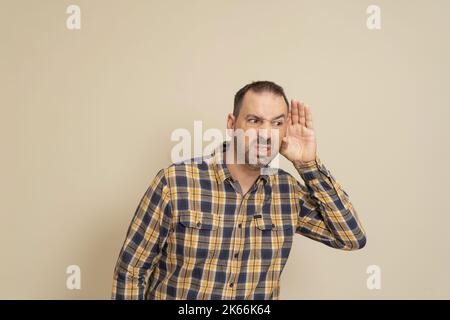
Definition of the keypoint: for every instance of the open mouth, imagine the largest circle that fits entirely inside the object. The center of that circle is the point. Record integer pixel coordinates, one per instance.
(262, 149)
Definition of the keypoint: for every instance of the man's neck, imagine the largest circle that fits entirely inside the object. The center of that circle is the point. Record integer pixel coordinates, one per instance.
(243, 173)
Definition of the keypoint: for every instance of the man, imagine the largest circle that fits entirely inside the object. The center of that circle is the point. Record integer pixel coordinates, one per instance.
(223, 229)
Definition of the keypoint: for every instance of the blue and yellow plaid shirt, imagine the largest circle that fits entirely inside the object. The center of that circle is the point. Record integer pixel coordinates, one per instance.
(194, 234)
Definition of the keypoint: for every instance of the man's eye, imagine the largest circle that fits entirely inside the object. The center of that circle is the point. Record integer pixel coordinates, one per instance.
(278, 123)
(252, 120)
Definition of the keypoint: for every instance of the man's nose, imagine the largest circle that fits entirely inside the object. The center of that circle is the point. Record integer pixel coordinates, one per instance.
(265, 130)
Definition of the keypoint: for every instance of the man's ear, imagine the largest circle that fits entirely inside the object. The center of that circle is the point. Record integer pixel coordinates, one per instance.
(230, 121)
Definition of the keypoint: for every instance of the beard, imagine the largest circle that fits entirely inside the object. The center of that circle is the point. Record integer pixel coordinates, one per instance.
(260, 153)
(256, 151)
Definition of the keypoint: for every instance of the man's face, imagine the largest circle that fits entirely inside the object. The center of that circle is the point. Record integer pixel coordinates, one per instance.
(262, 119)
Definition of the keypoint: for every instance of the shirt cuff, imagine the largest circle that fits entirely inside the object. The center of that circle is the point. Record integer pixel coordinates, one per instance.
(312, 170)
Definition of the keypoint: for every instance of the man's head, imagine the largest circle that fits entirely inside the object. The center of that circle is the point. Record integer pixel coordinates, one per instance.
(260, 117)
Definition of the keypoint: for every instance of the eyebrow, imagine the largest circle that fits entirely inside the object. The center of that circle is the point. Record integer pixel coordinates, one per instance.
(255, 116)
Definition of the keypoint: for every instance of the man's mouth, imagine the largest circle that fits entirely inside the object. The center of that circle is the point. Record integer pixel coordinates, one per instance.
(262, 148)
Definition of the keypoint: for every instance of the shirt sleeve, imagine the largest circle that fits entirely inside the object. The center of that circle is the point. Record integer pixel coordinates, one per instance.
(326, 213)
(145, 237)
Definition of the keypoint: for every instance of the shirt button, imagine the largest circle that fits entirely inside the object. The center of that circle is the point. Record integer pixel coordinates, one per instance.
(273, 225)
(198, 224)
(240, 225)
(231, 284)
(236, 254)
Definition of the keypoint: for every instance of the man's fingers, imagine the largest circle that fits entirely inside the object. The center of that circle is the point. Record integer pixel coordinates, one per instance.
(302, 119)
(294, 112)
(308, 117)
(301, 114)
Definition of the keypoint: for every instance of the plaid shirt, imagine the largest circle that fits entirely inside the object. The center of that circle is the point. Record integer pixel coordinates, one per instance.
(194, 235)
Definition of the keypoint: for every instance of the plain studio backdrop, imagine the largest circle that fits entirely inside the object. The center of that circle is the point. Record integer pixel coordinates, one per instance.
(87, 115)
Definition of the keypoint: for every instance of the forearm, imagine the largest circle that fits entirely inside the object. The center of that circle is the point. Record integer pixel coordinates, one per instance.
(329, 215)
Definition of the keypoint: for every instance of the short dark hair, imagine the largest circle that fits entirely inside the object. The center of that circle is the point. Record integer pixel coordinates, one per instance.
(257, 86)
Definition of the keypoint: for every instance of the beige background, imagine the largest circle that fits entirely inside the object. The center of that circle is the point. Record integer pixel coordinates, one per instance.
(86, 118)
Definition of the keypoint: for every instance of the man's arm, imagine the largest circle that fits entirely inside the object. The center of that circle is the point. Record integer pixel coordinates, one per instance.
(145, 237)
(326, 214)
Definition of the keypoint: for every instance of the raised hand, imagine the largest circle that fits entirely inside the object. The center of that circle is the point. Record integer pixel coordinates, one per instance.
(299, 144)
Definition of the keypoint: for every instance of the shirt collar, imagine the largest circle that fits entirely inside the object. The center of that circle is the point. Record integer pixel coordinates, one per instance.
(220, 168)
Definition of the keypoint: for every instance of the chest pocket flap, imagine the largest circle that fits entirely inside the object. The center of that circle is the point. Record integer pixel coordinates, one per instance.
(198, 220)
(264, 222)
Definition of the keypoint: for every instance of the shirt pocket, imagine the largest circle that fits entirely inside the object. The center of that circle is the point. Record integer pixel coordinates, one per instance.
(196, 236)
(272, 238)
